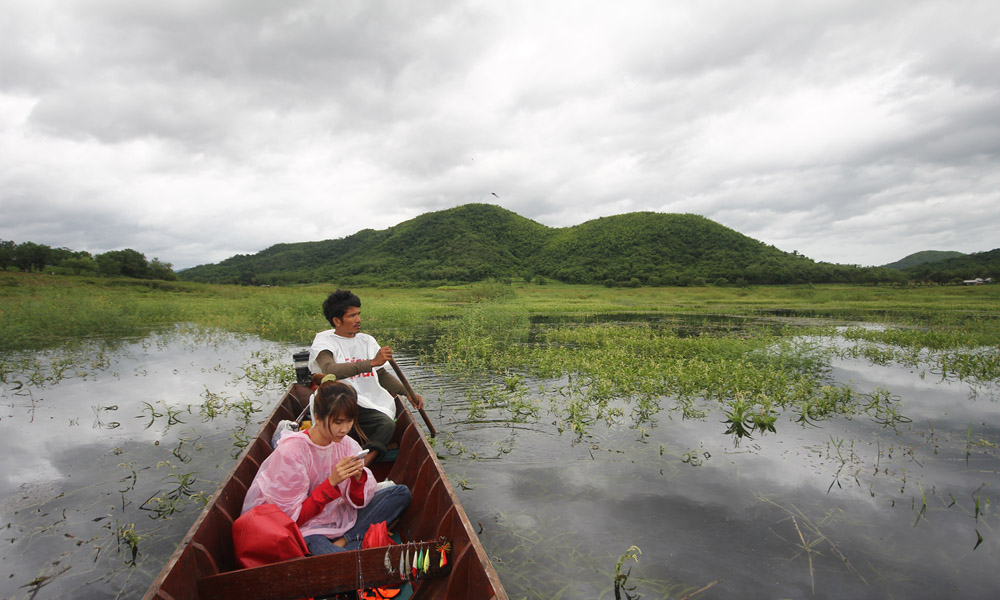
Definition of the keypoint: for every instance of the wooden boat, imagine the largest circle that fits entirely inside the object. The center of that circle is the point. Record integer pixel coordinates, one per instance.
(203, 566)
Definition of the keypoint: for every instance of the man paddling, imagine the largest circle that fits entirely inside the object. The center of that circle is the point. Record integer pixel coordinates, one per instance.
(358, 359)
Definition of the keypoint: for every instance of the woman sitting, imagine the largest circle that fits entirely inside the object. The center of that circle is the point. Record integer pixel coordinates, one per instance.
(316, 478)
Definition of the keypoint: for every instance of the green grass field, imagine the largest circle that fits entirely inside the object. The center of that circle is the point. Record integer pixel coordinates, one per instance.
(44, 311)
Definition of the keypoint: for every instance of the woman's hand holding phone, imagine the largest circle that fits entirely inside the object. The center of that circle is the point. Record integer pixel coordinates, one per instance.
(349, 466)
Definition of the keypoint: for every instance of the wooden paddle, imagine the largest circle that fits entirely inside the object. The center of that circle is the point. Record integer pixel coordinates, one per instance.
(412, 395)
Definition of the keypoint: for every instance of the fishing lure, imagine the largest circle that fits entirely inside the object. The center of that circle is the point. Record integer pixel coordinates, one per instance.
(388, 563)
(413, 564)
(402, 565)
(443, 548)
(427, 559)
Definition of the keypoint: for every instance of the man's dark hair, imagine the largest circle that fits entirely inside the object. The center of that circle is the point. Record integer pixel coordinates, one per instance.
(336, 304)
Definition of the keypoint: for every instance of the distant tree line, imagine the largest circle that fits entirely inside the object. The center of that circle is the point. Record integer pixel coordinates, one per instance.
(978, 265)
(29, 256)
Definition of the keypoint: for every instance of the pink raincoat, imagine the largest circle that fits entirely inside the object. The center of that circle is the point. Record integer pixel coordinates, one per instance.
(297, 466)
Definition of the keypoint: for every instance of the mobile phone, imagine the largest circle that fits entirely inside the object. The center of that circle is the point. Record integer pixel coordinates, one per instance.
(362, 453)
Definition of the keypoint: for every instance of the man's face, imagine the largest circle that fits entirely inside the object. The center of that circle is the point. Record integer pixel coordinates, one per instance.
(350, 324)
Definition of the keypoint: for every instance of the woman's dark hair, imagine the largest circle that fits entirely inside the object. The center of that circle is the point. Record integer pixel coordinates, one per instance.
(336, 304)
(335, 399)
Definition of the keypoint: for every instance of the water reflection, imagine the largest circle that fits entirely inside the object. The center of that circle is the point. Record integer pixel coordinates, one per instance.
(884, 503)
(857, 506)
(109, 454)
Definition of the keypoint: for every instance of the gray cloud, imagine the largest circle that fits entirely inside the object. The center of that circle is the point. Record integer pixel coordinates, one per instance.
(853, 132)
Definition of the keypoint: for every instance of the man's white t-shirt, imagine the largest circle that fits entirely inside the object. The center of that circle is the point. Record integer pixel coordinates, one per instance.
(353, 349)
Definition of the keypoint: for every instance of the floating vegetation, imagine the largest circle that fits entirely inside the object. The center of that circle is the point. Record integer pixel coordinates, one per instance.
(453, 446)
(36, 584)
(127, 537)
(966, 353)
(166, 503)
(132, 478)
(695, 458)
(266, 370)
(172, 414)
(515, 401)
(744, 417)
(621, 579)
(883, 407)
(513, 382)
(213, 405)
(241, 439)
(246, 407)
(150, 412)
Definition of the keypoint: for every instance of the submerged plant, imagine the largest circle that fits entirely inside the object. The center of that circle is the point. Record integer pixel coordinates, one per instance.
(152, 413)
(513, 382)
(884, 408)
(127, 536)
(168, 502)
(266, 370)
(213, 405)
(246, 407)
(811, 534)
(621, 579)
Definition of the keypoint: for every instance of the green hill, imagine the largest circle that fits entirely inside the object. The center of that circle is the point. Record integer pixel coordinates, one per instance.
(467, 243)
(919, 258)
(480, 241)
(664, 248)
(968, 266)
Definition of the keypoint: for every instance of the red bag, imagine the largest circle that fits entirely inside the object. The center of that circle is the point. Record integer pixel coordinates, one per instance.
(264, 535)
(377, 536)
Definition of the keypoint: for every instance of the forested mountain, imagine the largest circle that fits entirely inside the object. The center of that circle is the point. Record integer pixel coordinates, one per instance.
(968, 266)
(919, 258)
(480, 241)
(668, 249)
(467, 243)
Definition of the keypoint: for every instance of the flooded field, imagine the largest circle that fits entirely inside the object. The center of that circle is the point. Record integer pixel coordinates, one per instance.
(111, 449)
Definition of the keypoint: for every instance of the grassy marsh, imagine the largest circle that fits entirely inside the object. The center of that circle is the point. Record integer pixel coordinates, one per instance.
(698, 345)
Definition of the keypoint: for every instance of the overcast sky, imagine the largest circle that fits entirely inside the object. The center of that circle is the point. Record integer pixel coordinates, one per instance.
(853, 132)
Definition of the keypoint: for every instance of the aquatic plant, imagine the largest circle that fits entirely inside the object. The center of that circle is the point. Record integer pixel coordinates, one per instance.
(241, 439)
(621, 579)
(513, 381)
(153, 414)
(883, 406)
(213, 406)
(812, 536)
(266, 370)
(165, 503)
(246, 407)
(127, 536)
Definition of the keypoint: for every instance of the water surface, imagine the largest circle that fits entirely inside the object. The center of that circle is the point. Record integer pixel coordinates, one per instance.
(114, 447)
